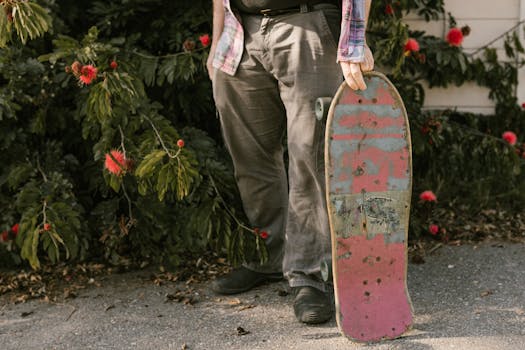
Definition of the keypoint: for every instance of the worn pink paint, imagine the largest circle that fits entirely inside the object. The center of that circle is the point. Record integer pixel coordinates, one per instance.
(394, 165)
(383, 97)
(364, 120)
(370, 274)
(367, 136)
(372, 281)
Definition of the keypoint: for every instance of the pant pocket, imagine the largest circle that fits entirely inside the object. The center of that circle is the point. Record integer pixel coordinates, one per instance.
(330, 18)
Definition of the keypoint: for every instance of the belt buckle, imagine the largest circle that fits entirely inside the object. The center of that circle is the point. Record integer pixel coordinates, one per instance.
(266, 12)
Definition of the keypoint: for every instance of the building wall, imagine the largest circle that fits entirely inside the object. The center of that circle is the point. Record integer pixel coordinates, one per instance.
(487, 22)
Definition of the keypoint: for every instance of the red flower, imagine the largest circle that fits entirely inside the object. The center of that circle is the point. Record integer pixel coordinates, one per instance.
(433, 229)
(389, 10)
(264, 235)
(115, 167)
(411, 46)
(87, 74)
(113, 64)
(510, 137)
(15, 229)
(428, 196)
(180, 143)
(4, 236)
(523, 105)
(205, 40)
(455, 37)
(47, 226)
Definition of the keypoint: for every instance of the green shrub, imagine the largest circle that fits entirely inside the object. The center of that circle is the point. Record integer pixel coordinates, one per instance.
(88, 86)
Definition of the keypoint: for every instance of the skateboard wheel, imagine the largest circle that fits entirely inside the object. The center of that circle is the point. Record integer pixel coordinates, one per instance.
(326, 271)
(322, 105)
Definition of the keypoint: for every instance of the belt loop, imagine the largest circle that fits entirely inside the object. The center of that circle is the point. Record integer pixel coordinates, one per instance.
(304, 8)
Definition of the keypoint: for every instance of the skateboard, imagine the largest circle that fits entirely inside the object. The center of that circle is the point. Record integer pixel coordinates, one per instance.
(368, 165)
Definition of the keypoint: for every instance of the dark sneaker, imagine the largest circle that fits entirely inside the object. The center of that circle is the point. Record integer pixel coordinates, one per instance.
(312, 305)
(242, 280)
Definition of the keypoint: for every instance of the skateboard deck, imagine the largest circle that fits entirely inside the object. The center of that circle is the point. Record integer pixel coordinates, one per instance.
(369, 182)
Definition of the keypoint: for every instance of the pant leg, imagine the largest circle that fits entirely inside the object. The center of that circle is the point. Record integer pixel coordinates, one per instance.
(253, 123)
(303, 52)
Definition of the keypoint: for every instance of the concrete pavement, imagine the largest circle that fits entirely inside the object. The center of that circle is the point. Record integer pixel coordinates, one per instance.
(466, 297)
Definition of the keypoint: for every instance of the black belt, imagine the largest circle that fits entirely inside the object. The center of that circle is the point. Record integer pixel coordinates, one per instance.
(271, 13)
(307, 7)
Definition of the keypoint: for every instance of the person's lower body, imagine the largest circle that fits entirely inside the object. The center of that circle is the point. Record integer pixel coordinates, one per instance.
(288, 62)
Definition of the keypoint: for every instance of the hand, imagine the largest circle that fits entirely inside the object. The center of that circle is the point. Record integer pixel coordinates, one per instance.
(209, 62)
(353, 71)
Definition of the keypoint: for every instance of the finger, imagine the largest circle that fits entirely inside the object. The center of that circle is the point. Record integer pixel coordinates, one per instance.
(351, 82)
(367, 66)
(210, 68)
(355, 71)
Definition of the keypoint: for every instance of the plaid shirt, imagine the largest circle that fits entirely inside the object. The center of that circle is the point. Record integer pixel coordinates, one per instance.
(351, 42)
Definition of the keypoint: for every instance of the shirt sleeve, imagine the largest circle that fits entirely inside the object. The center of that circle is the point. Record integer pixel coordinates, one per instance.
(352, 40)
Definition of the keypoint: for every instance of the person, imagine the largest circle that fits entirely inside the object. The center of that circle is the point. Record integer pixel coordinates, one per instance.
(268, 62)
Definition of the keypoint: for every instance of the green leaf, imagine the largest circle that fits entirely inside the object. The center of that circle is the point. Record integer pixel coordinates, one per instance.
(30, 20)
(115, 182)
(150, 162)
(5, 28)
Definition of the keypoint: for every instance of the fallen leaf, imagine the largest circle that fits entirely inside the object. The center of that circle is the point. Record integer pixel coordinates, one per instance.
(486, 293)
(246, 307)
(234, 302)
(242, 331)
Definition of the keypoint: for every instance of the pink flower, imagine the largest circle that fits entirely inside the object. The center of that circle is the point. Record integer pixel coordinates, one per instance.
(510, 137)
(47, 226)
(428, 196)
(87, 74)
(205, 40)
(115, 167)
(180, 143)
(411, 46)
(113, 64)
(76, 67)
(455, 37)
(433, 229)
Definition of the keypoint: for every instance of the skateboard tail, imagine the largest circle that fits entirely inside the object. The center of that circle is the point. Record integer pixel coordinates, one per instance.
(371, 276)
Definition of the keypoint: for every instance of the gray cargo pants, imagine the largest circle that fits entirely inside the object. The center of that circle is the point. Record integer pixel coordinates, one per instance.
(288, 61)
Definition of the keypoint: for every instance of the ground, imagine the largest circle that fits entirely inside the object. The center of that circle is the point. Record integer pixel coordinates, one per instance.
(465, 297)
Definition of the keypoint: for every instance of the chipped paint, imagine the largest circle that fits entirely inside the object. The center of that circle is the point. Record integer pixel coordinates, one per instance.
(368, 168)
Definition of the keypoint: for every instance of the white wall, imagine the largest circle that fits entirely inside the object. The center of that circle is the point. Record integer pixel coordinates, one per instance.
(487, 19)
